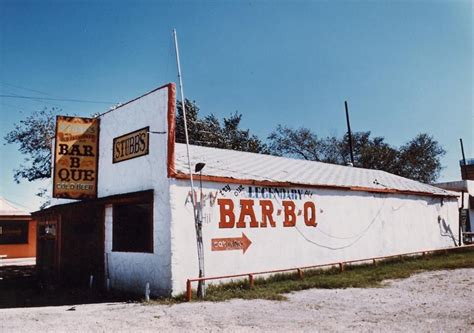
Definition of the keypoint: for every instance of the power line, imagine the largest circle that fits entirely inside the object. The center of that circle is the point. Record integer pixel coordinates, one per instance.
(56, 99)
(33, 98)
(24, 88)
(364, 231)
(12, 106)
(41, 99)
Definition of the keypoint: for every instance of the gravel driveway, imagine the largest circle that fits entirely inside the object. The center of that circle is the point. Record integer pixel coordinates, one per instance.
(433, 301)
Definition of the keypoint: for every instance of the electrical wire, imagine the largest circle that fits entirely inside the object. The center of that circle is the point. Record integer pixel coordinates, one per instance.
(45, 93)
(33, 98)
(350, 244)
(359, 236)
(54, 99)
(24, 88)
(18, 108)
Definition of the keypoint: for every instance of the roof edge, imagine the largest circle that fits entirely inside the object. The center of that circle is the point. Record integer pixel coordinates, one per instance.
(220, 179)
(16, 217)
(167, 85)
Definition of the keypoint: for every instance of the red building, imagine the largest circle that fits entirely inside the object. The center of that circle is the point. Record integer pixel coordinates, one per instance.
(17, 232)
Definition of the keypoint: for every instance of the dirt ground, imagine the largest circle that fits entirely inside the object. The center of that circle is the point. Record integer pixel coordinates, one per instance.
(432, 301)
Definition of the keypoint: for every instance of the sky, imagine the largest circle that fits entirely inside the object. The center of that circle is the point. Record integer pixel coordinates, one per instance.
(405, 67)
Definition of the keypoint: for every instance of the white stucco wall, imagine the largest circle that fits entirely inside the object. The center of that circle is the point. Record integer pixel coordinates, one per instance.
(142, 173)
(350, 225)
(131, 271)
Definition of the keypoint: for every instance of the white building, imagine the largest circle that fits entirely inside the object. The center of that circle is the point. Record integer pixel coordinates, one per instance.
(259, 212)
(465, 188)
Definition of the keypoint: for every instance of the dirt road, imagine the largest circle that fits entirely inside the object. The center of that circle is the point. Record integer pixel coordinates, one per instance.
(433, 301)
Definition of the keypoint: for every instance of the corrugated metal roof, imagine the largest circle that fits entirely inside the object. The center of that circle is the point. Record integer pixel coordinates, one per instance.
(9, 209)
(259, 167)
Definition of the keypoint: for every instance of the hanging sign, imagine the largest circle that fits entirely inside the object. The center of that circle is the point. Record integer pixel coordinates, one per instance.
(131, 145)
(76, 158)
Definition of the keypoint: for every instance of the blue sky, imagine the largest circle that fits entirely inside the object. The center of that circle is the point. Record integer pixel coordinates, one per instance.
(405, 67)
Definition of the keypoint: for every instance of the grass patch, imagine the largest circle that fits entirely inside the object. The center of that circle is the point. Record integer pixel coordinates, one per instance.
(354, 276)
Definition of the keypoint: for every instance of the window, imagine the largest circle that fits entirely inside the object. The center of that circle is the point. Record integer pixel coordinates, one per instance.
(132, 229)
(13, 232)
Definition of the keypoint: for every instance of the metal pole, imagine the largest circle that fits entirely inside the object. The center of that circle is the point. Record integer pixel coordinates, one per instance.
(462, 151)
(463, 166)
(349, 132)
(461, 209)
(196, 218)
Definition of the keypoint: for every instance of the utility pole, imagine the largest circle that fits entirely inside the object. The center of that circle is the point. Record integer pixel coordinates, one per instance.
(463, 166)
(349, 133)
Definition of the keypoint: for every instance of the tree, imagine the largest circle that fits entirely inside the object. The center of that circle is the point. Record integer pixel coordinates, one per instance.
(370, 153)
(299, 143)
(419, 159)
(34, 135)
(209, 132)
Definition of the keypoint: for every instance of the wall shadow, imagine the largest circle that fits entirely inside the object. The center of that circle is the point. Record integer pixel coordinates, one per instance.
(19, 287)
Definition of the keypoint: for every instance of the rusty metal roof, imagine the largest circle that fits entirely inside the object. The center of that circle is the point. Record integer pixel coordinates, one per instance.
(259, 167)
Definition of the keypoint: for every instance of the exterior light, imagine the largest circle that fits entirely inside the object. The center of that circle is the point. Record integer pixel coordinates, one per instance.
(199, 166)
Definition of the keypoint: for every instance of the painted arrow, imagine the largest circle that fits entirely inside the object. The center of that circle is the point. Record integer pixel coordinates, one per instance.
(229, 244)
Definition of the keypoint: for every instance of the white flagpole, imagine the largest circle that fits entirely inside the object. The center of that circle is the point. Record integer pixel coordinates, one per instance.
(197, 218)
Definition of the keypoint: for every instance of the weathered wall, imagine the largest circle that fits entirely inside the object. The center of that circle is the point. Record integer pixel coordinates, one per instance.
(133, 270)
(350, 225)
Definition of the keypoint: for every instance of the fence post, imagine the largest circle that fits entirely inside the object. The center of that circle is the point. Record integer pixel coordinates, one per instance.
(341, 267)
(147, 292)
(300, 273)
(189, 291)
(251, 283)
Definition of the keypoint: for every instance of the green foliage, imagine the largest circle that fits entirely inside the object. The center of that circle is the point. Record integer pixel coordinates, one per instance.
(299, 143)
(209, 131)
(34, 135)
(419, 159)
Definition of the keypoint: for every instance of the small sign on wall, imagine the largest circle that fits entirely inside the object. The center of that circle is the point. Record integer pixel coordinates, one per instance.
(75, 158)
(131, 145)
